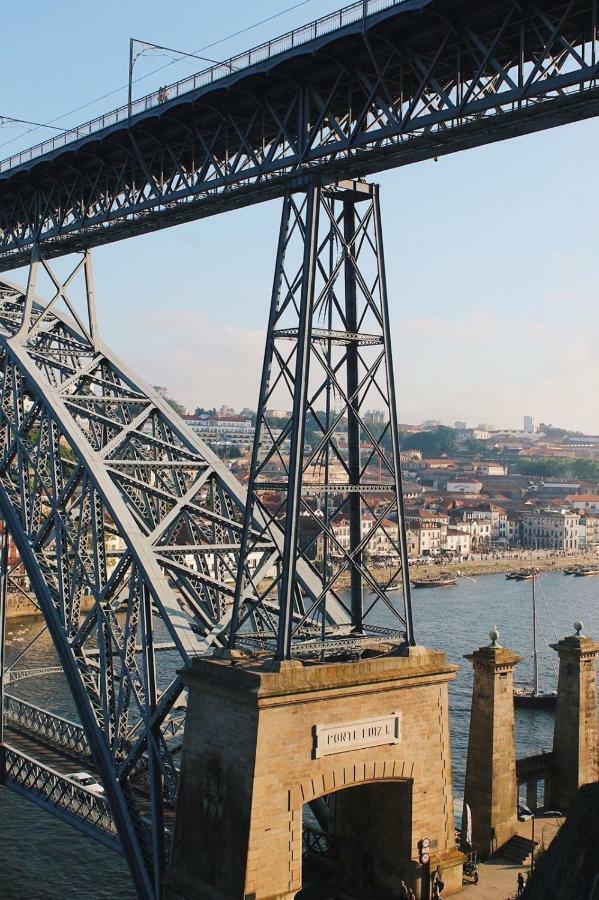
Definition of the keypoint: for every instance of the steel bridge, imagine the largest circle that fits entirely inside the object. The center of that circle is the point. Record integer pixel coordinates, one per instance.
(106, 492)
(381, 83)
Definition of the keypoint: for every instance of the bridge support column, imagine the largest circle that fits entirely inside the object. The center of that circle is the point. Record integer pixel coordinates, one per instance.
(328, 360)
(491, 789)
(532, 794)
(575, 748)
(261, 744)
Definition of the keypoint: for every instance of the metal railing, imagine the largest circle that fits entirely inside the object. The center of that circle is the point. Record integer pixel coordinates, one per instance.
(58, 791)
(50, 728)
(317, 842)
(269, 49)
(11, 676)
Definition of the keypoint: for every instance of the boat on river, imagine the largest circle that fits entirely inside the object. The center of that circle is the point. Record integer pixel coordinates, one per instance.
(532, 697)
(435, 581)
(395, 586)
(511, 576)
(586, 571)
(526, 575)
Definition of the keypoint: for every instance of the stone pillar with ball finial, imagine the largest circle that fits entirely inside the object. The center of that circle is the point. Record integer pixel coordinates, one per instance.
(575, 747)
(491, 789)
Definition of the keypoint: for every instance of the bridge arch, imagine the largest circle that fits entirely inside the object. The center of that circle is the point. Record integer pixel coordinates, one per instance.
(107, 493)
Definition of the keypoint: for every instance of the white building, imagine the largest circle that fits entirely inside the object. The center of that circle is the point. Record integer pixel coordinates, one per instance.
(428, 530)
(457, 542)
(383, 544)
(584, 502)
(464, 487)
(588, 532)
(490, 468)
(529, 424)
(222, 429)
(550, 529)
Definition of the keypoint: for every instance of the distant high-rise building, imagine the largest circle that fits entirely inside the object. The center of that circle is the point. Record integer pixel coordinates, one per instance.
(485, 426)
(529, 424)
(459, 426)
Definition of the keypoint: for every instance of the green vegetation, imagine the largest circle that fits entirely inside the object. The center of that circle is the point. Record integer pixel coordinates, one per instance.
(553, 431)
(174, 404)
(433, 444)
(549, 467)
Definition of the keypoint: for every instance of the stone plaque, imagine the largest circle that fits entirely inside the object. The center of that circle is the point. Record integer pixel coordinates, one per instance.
(330, 739)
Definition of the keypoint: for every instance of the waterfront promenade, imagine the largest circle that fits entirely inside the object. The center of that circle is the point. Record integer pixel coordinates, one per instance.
(494, 563)
(497, 877)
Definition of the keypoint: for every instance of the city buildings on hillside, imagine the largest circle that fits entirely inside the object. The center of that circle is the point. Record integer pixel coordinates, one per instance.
(585, 502)
(588, 532)
(550, 529)
(383, 546)
(222, 429)
(477, 524)
(489, 467)
(469, 488)
(458, 503)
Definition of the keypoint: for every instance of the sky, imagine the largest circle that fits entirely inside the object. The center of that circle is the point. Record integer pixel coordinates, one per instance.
(492, 255)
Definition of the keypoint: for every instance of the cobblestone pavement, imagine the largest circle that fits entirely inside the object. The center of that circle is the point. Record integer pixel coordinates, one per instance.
(497, 881)
(497, 878)
(41, 858)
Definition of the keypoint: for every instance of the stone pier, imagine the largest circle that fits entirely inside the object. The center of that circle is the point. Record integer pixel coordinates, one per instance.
(491, 788)
(261, 744)
(575, 747)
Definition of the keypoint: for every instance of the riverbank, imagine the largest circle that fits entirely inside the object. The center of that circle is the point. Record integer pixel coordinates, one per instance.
(19, 606)
(494, 565)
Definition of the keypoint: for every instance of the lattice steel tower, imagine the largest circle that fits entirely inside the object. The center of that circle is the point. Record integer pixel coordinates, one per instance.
(324, 471)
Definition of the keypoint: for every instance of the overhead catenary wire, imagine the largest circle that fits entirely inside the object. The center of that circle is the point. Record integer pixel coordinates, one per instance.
(11, 119)
(171, 62)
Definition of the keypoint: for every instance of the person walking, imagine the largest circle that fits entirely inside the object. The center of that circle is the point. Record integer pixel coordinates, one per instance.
(520, 880)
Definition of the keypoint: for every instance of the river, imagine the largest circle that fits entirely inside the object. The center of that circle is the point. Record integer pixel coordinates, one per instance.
(455, 619)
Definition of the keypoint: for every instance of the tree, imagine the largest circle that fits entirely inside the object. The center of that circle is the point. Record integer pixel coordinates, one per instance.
(553, 432)
(174, 404)
(433, 443)
(550, 467)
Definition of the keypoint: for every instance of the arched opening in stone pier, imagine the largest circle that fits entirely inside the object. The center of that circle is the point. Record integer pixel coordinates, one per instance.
(365, 847)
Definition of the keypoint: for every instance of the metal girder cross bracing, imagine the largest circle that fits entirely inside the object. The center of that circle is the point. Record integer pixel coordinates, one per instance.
(129, 528)
(381, 83)
(324, 471)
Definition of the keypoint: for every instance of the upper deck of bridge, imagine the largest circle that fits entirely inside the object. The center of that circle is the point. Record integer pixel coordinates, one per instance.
(258, 59)
(375, 85)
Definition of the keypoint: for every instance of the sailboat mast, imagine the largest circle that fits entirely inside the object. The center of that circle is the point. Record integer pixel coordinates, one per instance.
(535, 686)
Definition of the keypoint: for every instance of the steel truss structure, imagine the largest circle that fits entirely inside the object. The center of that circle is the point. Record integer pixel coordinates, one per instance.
(110, 498)
(327, 360)
(410, 80)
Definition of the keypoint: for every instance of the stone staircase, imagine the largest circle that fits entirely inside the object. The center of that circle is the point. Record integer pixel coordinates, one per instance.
(517, 850)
